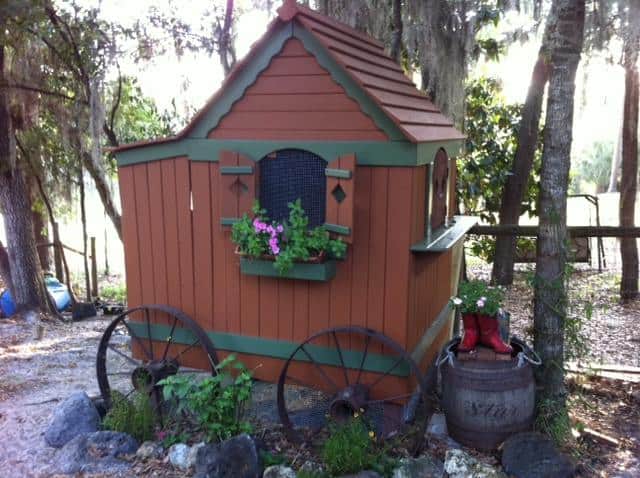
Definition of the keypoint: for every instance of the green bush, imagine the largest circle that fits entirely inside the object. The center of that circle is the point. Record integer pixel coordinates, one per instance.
(216, 404)
(136, 417)
(114, 293)
(351, 447)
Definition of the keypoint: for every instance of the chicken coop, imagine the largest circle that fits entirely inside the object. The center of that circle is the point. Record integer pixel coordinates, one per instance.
(316, 111)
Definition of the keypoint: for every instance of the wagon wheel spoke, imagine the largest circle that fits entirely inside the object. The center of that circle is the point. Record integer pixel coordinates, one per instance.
(393, 367)
(169, 339)
(364, 357)
(137, 339)
(320, 369)
(339, 350)
(146, 313)
(390, 399)
(183, 351)
(123, 355)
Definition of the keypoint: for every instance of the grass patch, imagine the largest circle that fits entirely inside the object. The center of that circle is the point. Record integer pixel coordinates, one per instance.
(136, 417)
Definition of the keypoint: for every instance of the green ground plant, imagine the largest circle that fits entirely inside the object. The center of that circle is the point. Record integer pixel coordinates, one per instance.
(216, 404)
(114, 293)
(351, 447)
(135, 416)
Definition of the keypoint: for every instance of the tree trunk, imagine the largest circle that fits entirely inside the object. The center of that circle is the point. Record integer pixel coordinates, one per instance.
(83, 218)
(616, 161)
(550, 294)
(96, 171)
(5, 268)
(396, 35)
(517, 182)
(26, 275)
(629, 175)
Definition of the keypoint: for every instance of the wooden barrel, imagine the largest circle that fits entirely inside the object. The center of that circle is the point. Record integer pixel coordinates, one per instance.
(485, 402)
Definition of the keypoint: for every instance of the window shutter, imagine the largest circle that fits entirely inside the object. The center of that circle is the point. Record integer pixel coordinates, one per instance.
(340, 196)
(237, 186)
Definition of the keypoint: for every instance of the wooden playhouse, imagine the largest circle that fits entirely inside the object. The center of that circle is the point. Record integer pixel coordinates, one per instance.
(316, 110)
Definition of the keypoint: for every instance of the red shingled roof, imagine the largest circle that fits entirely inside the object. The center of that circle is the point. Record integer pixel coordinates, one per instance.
(366, 61)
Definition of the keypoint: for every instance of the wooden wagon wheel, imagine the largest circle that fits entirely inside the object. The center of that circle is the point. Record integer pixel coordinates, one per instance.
(175, 343)
(343, 372)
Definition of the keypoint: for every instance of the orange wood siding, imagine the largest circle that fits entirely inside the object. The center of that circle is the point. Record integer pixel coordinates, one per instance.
(176, 252)
(295, 98)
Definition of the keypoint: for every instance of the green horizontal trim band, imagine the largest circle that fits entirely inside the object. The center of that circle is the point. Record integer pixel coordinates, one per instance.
(236, 170)
(229, 221)
(274, 348)
(338, 173)
(344, 230)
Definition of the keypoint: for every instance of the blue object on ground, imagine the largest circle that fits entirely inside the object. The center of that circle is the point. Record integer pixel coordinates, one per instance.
(58, 291)
(7, 307)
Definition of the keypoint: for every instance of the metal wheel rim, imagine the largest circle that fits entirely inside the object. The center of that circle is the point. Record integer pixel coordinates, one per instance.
(421, 392)
(179, 320)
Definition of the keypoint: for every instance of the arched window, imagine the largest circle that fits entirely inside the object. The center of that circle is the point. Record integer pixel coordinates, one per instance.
(289, 174)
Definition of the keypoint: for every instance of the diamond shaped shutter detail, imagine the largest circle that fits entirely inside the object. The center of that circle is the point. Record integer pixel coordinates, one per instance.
(237, 186)
(340, 196)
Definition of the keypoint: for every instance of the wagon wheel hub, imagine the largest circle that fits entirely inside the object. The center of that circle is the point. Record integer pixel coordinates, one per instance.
(147, 376)
(348, 402)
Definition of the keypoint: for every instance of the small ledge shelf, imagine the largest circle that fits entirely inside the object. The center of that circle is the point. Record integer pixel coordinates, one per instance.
(323, 271)
(444, 238)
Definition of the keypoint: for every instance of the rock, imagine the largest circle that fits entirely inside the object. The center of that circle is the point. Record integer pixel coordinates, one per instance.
(459, 464)
(149, 449)
(97, 452)
(193, 454)
(179, 455)
(279, 471)
(73, 417)
(424, 466)
(437, 425)
(237, 457)
(364, 474)
(533, 455)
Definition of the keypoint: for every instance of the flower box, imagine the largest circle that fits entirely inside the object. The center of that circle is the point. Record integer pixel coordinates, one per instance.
(316, 271)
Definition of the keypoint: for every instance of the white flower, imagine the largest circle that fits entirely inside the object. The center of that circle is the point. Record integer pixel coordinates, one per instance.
(483, 299)
(457, 301)
(480, 303)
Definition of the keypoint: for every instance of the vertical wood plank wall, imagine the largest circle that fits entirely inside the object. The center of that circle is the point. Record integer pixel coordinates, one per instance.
(176, 252)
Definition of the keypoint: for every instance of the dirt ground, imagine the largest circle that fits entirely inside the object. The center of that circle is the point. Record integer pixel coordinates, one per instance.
(36, 374)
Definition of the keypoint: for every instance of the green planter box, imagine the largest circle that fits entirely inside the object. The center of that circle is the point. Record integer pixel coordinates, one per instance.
(320, 272)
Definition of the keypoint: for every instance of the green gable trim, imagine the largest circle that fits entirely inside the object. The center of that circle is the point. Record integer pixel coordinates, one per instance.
(274, 348)
(245, 78)
(229, 221)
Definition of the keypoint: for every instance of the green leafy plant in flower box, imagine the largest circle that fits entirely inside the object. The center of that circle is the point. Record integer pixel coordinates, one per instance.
(286, 243)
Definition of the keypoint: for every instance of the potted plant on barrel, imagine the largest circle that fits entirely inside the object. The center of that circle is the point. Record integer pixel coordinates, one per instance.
(285, 249)
(479, 305)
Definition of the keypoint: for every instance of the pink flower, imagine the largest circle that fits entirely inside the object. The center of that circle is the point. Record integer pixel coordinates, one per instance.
(280, 228)
(273, 245)
(258, 225)
(480, 303)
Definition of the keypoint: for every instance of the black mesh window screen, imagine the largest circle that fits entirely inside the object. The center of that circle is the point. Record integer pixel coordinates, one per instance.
(289, 174)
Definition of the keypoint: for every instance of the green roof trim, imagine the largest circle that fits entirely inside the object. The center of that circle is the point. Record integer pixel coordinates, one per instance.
(245, 78)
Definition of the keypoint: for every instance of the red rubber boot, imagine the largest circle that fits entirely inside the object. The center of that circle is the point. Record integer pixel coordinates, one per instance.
(471, 333)
(490, 336)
